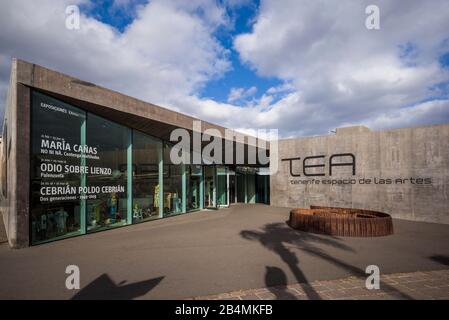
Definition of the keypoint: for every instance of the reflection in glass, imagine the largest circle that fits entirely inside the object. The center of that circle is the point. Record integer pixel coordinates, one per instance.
(232, 188)
(193, 187)
(209, 187)
(145, 177)
(56, 129)
(222, 184)
(262, 185)
(241, 187)
(107, 206)
(106, 203)
(172, 184)
(250, 188)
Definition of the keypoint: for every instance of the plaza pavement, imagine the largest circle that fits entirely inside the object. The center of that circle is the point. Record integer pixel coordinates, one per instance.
(421, 285)
(212, 252)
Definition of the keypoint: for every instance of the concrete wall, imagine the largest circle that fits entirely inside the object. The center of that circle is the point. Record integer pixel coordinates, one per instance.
(421, 152)
(15, 164)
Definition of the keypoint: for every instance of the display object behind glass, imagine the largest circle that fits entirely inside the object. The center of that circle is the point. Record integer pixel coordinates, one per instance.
(145, 177)
(172, 184)
(209, 187)
(194, 173)
(55, 208)
(107, 178)
(222, 186)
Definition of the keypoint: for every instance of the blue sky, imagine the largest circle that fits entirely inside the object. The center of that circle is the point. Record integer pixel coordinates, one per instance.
(240, 75)
(242, 18)
(118, 16)
(295, 65)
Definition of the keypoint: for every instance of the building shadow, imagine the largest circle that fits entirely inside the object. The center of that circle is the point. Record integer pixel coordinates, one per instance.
(281, 239)
(276, 282)
(444, 260)
(104, 288)
(355, 271)
(278, 238)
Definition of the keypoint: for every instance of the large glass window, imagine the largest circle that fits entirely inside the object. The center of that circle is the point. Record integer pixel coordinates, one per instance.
(209, 187)
(146, 188)
(222, 186)
(172, 184)
(107, 178)
(262, 185)
(250, 188)
(90, 174)
(194, 173)
(241, 187)
(232, 188)
(56, 143)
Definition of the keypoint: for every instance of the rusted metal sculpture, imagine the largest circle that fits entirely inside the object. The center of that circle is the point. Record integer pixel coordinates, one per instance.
(345, 222)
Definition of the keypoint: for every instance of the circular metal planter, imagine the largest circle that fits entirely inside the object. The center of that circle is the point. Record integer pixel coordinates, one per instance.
(345, 222)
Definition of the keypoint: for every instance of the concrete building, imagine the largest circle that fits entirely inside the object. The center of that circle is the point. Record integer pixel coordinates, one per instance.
(77, 158)
(404, 172)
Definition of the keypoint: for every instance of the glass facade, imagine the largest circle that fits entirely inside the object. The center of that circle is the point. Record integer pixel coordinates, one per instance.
(194, 177)
(222, 186)
(172, 184)
(209, 187)
(262, 189)
(241, 187)
(250, 188)
(108, 173)
(90, 174)
(56, 129)
(146, 157)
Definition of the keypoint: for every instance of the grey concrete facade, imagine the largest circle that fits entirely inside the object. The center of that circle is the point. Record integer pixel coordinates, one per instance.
(416, 154)
(15, 160)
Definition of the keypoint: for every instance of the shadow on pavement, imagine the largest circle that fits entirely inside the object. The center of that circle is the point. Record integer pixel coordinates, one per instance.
(280, 238)
(103, 288)
(444, 260)
(276, 282)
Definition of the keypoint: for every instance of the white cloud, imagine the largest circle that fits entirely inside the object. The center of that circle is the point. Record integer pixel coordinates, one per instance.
(238, 94)
(425, 113)
(343, 72)
(334, 70)
(282, 88)
(167, 51)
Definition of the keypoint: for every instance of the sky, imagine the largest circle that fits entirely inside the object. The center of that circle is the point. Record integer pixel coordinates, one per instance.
(304, 67)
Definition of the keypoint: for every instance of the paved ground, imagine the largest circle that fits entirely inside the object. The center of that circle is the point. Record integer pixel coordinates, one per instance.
(211, 252)
(423, 285)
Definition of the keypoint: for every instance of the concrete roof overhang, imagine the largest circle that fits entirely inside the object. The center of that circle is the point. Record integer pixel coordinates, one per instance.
(149, 118)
